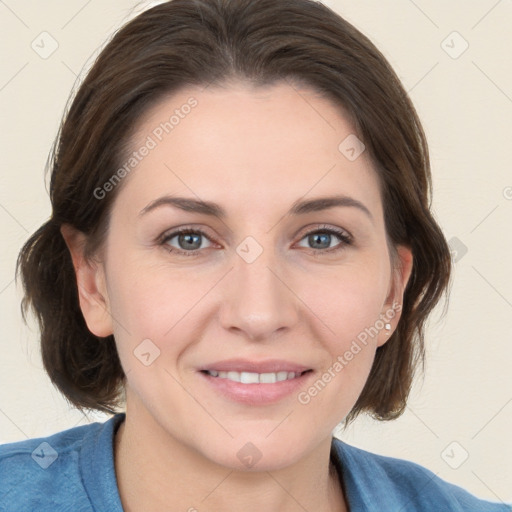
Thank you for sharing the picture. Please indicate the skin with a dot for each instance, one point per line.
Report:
(254, 152)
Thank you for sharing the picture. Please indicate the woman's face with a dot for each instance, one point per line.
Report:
(269, 283)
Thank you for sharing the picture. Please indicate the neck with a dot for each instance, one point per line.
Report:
(156, 472)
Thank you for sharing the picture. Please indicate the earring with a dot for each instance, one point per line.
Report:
(388, 329)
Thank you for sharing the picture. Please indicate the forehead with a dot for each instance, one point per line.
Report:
(247, 147)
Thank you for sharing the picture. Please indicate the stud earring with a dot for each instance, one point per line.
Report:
(388, 329)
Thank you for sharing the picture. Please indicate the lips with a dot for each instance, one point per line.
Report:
(256, 382)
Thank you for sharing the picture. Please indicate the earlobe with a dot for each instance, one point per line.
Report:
(90, 279)
(401, 274)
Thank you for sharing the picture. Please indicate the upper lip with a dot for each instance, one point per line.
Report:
(268, 366)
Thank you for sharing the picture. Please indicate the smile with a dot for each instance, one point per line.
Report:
(255, 378)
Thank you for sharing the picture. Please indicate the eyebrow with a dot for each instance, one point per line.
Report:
(299, 207)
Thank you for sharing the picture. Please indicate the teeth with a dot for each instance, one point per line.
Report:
(233, 376)
(254, 378)
(246, 377)
(268, 378)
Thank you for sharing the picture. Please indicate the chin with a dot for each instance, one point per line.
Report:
(256, 453)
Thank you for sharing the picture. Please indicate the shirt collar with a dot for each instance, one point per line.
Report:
(372, 482)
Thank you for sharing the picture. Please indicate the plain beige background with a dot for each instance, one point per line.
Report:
(455, 59)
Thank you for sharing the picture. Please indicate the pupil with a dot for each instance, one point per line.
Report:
(188, 240)
(317, 237)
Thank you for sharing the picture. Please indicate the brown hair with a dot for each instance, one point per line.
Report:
(199, 42)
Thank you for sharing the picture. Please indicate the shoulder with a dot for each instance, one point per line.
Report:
(389, 482)
(46, 473)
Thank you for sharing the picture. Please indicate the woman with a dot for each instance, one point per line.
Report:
(240, 254)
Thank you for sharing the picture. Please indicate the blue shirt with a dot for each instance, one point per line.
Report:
(74, 471)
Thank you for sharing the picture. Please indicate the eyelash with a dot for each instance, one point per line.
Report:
(345, 237)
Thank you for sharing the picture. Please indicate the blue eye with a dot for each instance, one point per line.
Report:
(320, 239)
(189, 240)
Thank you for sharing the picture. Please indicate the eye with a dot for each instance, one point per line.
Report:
(321, 238)
(188, 240)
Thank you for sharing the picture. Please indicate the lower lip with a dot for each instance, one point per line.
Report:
(257, 394)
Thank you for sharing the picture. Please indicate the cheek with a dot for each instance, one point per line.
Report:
(153, 328)
(348, 302)
(348, 308)
(151, 300)
(154, 303)
(349, 339)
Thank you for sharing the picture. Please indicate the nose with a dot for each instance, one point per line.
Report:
(259, 301)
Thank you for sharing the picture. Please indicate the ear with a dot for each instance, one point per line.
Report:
(90, 278)
(400, 274)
